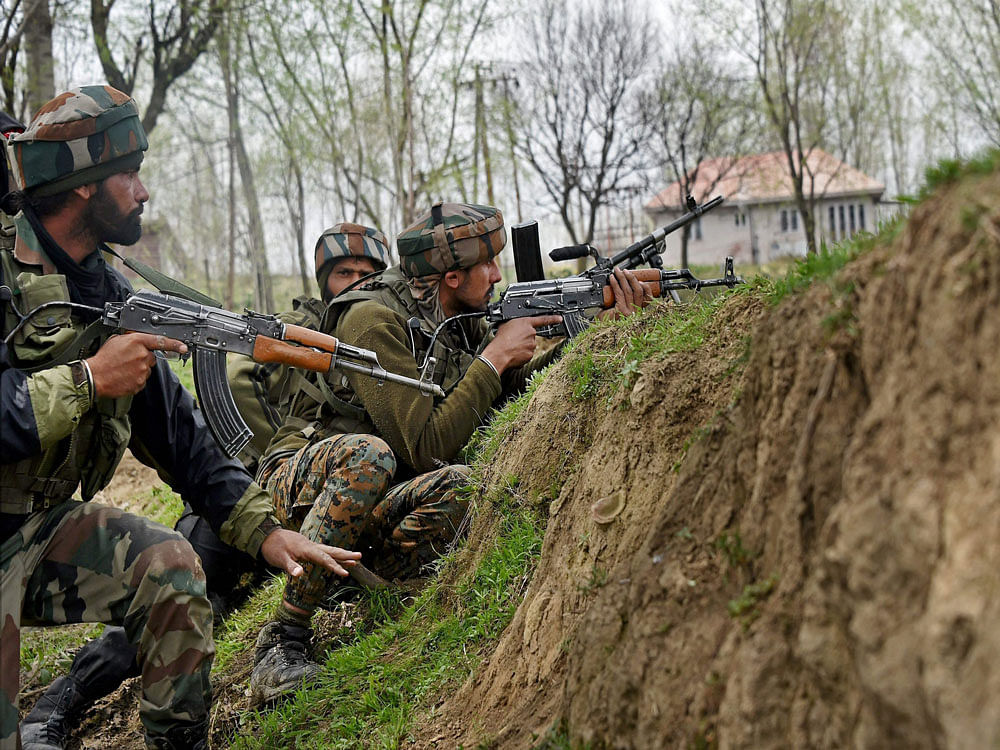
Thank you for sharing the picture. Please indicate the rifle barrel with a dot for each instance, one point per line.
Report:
(652, 239)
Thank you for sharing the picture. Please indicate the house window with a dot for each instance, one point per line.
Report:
(861, 216)
(843, 225)
(743, 219)
(850, 210)
(784, 220)
(697, 228)
(736, 216)
(795, 220)
(833, 222)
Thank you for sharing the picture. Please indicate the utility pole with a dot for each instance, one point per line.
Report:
(511, 140)
(481, 127)
(481, 138)
(484, 74)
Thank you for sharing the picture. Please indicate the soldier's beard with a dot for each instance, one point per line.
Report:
(108, 222)
(466, 304)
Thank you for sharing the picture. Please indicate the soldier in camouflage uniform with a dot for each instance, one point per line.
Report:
(331, 466)
(345, 253)
(69, 410)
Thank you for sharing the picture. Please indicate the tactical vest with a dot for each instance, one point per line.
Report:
(89, 455)
(454, 350)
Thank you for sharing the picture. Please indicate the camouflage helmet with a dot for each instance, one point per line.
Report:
(81, 136)
(449, 237)
(347, 240)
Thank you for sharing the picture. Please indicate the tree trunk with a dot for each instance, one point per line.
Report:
(231, 276)
(40, 78)
(258, 252)
(298, 218)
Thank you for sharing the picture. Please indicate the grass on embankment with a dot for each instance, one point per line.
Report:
(373, 685)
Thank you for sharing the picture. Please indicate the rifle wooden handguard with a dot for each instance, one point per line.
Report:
(271, 350)
(650, 278)
(309, 337)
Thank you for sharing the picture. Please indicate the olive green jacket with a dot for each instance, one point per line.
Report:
(423, 431)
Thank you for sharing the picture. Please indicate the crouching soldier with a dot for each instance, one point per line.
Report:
(71, 405)
(370, 466)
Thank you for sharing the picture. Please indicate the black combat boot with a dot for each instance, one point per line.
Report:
(99, 667)
(48, 725)
(282, 665)
(181, 737)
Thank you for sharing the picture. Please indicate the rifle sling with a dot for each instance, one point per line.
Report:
(164, 283)
(322, 393)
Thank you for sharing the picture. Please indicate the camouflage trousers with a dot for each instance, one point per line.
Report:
(85, 562)
(337, 492)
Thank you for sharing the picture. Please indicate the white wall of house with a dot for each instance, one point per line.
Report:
(731, 228)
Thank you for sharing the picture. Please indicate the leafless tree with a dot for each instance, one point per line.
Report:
(293, 175)
(801, 55)
(230, 51)
(700, 109)
(26, 31)
(172, 39)
(965, 38)
(582, 128)
(40, 79)
(10, 44)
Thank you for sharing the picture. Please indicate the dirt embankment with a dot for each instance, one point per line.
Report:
(821, 571)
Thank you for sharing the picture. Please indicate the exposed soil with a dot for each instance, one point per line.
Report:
(821, 572)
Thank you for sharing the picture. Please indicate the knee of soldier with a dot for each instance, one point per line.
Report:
(454, 476)
(369, 454)
(172, 562)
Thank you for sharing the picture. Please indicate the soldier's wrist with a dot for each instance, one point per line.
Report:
(491, 365)
(82, 376)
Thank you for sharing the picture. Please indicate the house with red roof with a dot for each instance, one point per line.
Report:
(759, 220)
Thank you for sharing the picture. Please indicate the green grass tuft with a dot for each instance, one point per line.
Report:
(744, 607)
(948, 171)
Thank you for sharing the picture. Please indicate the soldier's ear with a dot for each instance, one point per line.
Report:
(86, 192)
(454, 279)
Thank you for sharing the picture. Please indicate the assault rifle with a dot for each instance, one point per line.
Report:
(577, 297)
(210, 333)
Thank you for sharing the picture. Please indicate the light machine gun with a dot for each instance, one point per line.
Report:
(210, 333)
(575, 298)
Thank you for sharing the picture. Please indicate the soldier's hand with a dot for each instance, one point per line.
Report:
(629, 294)
(287, 549)
(122, 365)
(514, 343)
